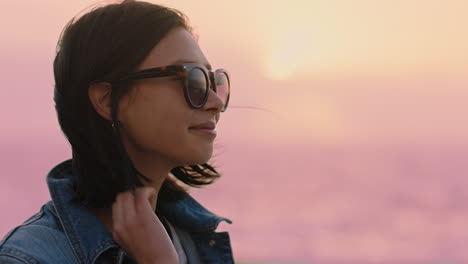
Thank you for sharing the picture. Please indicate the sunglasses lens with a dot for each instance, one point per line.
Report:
(222, 86)
(197, 86)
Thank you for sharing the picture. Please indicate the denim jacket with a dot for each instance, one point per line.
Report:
(67, 232)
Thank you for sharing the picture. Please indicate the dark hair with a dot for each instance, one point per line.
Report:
(105, 44)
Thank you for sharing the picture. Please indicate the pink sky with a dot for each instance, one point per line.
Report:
(363, 94)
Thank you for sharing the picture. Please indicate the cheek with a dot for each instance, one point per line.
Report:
(166, 133)
(158, 123)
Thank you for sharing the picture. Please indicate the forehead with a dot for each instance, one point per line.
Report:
(178, 45)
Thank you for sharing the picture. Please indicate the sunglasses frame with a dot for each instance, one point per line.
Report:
(181, 71)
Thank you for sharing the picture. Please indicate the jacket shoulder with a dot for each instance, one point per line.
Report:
(15, 256)
(39, 239)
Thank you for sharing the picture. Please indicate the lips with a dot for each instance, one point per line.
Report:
(206, 125)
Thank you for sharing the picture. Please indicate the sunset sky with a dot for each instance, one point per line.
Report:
(323, 69)
(329, 73)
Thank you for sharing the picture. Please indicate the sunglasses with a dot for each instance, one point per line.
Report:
(197, 80)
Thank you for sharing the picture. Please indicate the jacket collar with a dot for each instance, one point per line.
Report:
(88, 236)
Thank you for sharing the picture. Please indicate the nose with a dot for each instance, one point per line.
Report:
(214, 102)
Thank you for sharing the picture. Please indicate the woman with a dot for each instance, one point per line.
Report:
(138, 102)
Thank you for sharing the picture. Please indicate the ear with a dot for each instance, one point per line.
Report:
(99, 95)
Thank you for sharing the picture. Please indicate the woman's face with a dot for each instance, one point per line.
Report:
(155, 116)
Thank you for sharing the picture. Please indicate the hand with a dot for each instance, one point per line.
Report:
(138, 230)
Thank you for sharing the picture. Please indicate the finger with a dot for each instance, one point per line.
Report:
(116, 217)
(116, 212)
(145, 199)
(150, 197)
(153, 199)
(124, 208)
(128, 207)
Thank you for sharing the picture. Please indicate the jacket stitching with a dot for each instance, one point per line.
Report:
(31, 220)
(20, 255)
(15, 257)
(64, 223)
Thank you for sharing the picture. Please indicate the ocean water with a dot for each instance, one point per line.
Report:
(305, 204)
(345, 204)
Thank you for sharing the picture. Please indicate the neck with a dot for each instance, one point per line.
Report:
(152, 165)
(156, 170)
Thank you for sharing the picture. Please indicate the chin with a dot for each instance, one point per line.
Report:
(200, 159)
(189, 156)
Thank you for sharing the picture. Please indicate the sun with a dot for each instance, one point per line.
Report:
(281, 64)
(287, 54)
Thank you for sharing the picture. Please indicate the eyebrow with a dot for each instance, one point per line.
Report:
(208, 66)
